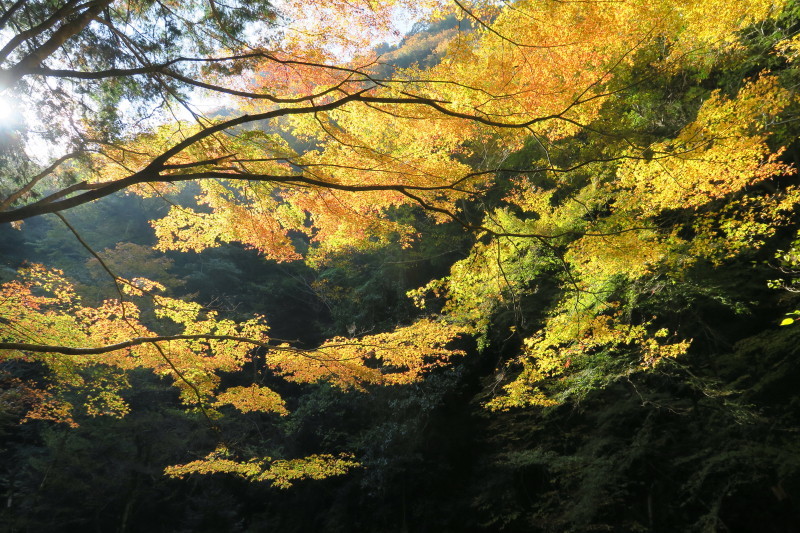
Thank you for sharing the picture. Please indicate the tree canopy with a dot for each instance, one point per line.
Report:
(592, 156)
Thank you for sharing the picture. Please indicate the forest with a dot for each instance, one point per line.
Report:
(399, 266)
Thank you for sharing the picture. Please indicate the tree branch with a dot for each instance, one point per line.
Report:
(34, 31)
(13, 197)
(10, 13)
(59, 37)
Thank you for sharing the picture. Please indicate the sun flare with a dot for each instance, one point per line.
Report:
(7, 111)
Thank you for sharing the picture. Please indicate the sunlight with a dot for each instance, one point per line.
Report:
(7, 112)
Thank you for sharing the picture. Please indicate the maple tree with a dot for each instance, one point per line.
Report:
(323, 149)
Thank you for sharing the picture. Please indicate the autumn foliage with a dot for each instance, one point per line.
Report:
(318, 153)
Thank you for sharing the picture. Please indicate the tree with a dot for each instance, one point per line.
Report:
(431, 136)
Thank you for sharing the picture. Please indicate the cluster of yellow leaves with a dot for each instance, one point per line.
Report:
(788, 48)
(411, 156)
(500, 269)
(260, 215)
(490, 277)
(397, 357)
(43, 309)
(629, 252)
(719, 155)
(253, 223)
(721, 152)
(571, 334)
(534, 60)
(29, 313)
(701, 30)
(744, 224)
(252, 398)
(281, 473)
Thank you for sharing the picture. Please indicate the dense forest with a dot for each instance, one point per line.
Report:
(400, 266)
